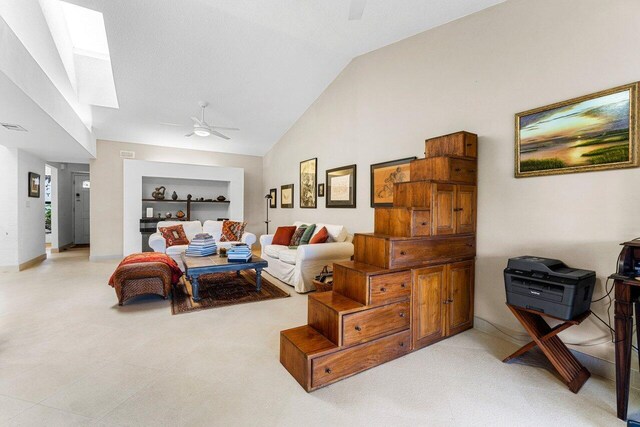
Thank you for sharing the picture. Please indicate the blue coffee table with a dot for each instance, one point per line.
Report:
(194, 267)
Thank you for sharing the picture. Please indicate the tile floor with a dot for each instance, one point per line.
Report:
(70, 356)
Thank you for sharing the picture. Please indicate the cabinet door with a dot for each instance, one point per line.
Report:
(428, 295)
(459, 296)
(444, 200)
(465, 209)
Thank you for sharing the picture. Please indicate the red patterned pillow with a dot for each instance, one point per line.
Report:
(174, 235)
(232, 231)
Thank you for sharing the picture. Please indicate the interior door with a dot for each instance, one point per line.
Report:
(428, 295)
(466, 209)
(81, 194)
(459, 296)
(444, 200)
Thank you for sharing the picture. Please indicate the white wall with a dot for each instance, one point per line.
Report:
(474, 74)
(136, 170)
(8, 208)
(31, 240)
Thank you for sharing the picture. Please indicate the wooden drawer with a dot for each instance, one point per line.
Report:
(412, 194)
(452, 169)
(369, 324)
(387, 288)
(407, 253)
(402, 222)
(336, 366)
(456, 144)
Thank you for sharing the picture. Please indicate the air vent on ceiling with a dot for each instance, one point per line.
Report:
(127, 154)
(9, 126)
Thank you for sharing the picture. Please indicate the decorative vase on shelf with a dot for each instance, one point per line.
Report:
(168, 215)
(159, 193)
(174, 196)
(180, 214)
(221, 198)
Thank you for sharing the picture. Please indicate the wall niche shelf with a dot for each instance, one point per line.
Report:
(184, 201)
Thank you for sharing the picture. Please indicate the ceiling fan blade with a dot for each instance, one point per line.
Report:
(356, 9)
(172, 124)
(197, 120)
(213, 132)
(189, 134)
(223, 128)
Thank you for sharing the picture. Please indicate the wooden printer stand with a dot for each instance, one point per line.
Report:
(572, 372)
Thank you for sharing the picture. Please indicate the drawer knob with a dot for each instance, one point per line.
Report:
(403, 253)
(358, 328)
(424, 223)
(472, 170)
(469, 244)
(457, 169)
(403, 285)
(383, 289)
(402, 344)
(402, 314)
(327, 371)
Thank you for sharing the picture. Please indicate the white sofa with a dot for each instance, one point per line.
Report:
(191, 228)
(298, 267)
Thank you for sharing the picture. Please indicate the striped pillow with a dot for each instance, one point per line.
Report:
(297, 236)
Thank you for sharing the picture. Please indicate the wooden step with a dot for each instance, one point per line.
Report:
(394, 252)
(412, 194)
(455, 144)
(403, 222)
(298, 346)
(325, 313)
(371, 285)
(451, 169)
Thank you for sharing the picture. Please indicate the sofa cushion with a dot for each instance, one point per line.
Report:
(320, 237)
(191, 228)
(213, 227)
(176, 250)
(288, 256)
(174, 235)
(232, 231)
(337, 233)
(274, 250)
(308, 233)
(283, 235)
(297, 236)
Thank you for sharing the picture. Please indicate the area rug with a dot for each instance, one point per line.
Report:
(221, 290)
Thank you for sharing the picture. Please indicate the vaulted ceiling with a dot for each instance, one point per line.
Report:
(259, 63)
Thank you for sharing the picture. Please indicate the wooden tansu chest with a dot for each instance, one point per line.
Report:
(411, 281)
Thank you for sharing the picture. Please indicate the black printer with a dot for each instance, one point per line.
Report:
(549, 286)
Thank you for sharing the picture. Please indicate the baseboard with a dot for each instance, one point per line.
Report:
(104, 257)
(32, 262)
(595, 365)
(61, 248)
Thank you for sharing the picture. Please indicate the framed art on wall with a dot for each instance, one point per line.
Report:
(34, 185)
(320, 190)
(383, 176)
(273, 202)
(286, 196)
(341, 187)
(308, 180)
(589, 133)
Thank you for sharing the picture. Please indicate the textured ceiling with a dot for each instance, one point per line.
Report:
(260, 63)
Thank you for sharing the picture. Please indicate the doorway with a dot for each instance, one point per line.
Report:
(81, 208)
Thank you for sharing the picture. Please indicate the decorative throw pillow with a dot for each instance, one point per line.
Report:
(283, 235)
(306, 237)
(174, 235)
(320, 237)
(295, 239)
(232, 231)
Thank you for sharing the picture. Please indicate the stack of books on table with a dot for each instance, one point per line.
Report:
(239, 253)
(203, 244)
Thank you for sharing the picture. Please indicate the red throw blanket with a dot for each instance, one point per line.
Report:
(176, 273)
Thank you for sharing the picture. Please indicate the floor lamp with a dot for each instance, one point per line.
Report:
(268, 198)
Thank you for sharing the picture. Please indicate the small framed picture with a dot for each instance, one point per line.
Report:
(321, 190)
(341, 187)
(273, 203)
(286, 196)
(34, 185)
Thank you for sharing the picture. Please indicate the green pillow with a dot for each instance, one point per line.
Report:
(306, 237)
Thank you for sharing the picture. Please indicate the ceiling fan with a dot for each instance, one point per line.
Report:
(201, 127)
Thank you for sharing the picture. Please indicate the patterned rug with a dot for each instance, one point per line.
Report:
(223, 289)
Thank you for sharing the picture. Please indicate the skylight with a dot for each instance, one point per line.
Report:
(81, 39)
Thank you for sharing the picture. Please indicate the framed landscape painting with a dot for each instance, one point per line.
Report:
(383, 176)
(341, 187)
(286, 196)
(593, 132)
(308, 180)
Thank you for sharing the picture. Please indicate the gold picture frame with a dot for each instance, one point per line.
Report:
(589, 133)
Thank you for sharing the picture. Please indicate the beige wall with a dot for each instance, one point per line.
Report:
(107, 191)
(474, 74)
